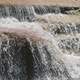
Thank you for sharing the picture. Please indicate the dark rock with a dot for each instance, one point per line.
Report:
(22, 59)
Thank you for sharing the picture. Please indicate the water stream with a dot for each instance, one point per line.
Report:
(36, 44)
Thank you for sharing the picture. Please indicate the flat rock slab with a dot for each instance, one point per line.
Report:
(42, 2)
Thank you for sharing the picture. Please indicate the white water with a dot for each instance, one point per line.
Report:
(34, 29)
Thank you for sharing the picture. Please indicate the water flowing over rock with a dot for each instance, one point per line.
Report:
(39, 43)
(23, 59)
(23, 13)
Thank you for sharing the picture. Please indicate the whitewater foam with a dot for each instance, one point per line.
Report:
(35, 29)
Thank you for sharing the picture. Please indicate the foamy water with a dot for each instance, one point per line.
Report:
(34, 29)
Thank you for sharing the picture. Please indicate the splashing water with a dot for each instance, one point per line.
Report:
(48, 50)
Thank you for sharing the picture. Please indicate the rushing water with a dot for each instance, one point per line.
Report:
(23, 13)
(33, 46)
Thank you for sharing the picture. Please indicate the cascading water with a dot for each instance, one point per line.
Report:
(23, 13)
(33, 46)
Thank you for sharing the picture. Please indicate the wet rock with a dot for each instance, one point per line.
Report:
(24, 59)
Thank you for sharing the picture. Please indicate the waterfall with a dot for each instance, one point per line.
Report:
(39, 43)
(19, 12)
(23, 13)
